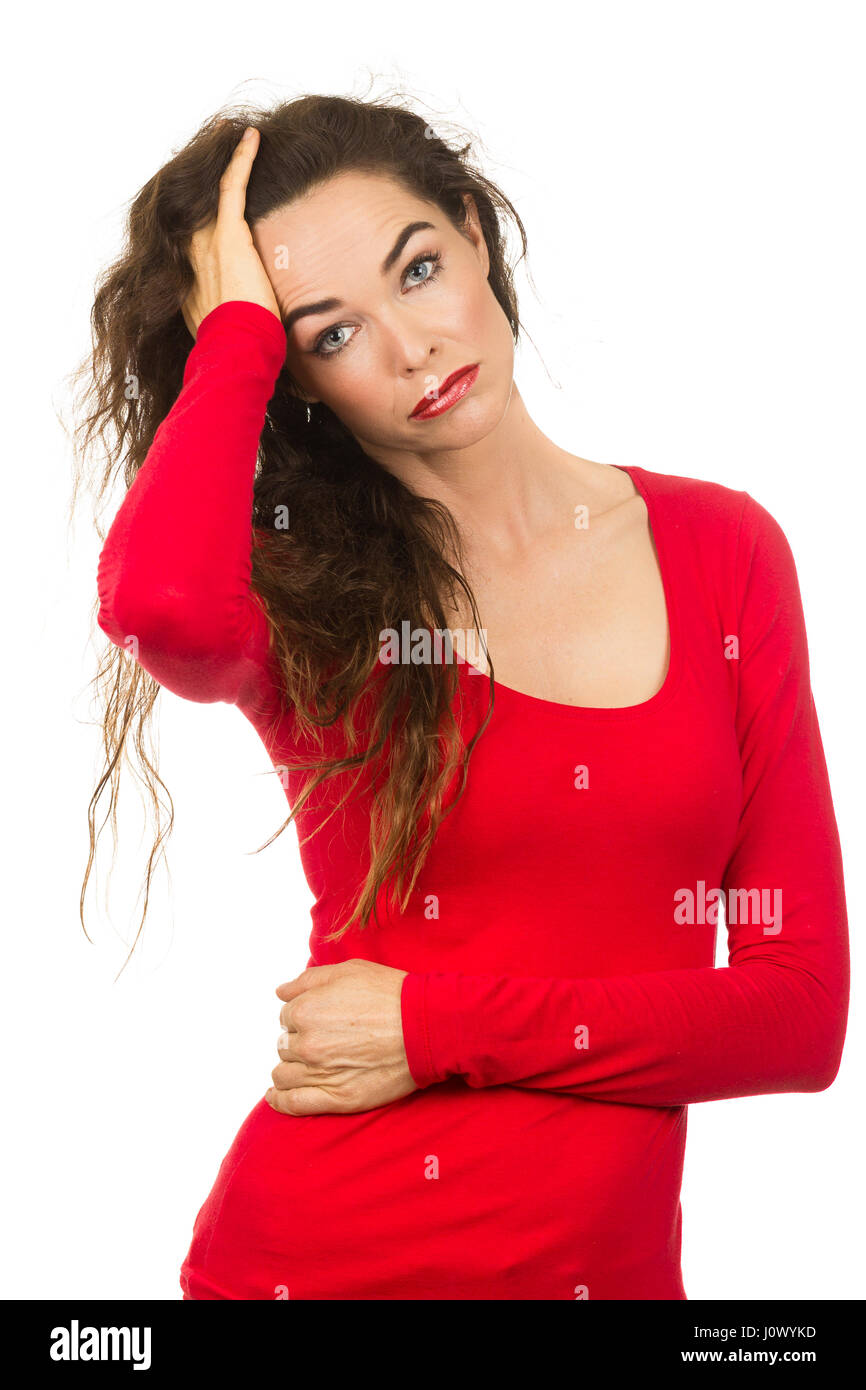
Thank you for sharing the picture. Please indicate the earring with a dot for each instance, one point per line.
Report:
(308, 414)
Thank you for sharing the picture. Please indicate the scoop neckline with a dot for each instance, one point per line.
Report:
(663, 694)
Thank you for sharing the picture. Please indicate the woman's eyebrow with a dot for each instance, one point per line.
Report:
(324, 306)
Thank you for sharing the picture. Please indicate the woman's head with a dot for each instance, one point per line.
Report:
(401, 300)
(334, 186)
(334, 182)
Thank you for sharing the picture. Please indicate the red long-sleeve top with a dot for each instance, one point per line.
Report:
(562, 1007)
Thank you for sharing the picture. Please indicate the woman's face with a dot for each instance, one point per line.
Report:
(401, 330)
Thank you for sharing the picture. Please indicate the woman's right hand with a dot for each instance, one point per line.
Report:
(223, 253)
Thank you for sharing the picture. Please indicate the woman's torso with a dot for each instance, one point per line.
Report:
(578, 825)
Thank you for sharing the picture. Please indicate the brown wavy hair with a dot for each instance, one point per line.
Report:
(363, 551)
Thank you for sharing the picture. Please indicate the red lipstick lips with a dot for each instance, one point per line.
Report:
(452, 390)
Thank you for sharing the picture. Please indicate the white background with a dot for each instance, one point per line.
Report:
(691, 181)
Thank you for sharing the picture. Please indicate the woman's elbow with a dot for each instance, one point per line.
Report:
(825, 1055)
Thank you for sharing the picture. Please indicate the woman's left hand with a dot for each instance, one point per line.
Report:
(342, 1050)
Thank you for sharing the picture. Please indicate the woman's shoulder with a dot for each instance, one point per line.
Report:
(727, 528)
(713, 508)
(710, 503)
(705, 493)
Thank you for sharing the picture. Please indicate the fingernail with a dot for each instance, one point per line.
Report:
(249, 132)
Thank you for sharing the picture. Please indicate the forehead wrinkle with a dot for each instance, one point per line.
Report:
(381, 239)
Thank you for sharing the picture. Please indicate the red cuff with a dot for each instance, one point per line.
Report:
(232, 321)
(416, 1040)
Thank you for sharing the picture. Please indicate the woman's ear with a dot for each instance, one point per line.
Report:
(473, 231)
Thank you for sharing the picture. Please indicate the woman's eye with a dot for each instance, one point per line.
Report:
(419, 265)
(326, 337)
(431, 258)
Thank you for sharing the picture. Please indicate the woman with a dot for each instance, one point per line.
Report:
(511, 999)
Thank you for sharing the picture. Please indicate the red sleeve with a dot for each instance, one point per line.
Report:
(174, 571)
(775, 1018)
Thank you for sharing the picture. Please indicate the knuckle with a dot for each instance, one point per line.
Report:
(300, 1014)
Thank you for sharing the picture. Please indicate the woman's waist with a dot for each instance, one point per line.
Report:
(449, 1192)
(618, 1165)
